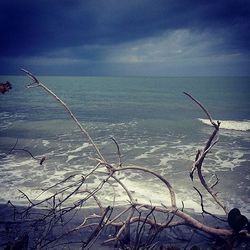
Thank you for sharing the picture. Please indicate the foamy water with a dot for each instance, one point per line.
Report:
(66, 155)
(231, 125)
(155, 126)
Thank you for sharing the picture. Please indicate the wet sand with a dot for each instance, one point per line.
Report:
(13, 229)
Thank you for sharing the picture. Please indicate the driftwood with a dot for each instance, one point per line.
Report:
(131, 223)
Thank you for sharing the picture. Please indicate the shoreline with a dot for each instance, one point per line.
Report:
(178, 237)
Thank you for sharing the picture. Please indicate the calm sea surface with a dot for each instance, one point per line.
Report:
(155, 125)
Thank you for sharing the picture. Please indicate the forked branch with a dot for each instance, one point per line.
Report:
(128, 217)
(200, 156)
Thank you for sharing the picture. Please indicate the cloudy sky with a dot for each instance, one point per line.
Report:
(125, 37)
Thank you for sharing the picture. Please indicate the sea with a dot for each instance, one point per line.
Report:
(155, 125)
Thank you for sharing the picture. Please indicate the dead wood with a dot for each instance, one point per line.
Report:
(134, 219)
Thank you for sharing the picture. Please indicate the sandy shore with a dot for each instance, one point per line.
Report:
(15, 225)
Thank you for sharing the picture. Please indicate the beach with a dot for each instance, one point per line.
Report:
(154, 124)
(13, 229)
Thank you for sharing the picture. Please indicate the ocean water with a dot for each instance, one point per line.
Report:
(155, 124)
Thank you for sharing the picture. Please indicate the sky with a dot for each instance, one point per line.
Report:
(125, 38)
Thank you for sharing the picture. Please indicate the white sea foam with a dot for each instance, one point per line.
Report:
(25, 174)
(149, 153)
(164, 161)
(71, 157)
(45, 143)
(79, 149)
(232, 125)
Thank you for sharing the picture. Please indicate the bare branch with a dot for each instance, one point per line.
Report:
(10, 150)
(96, 232)
(170, 189)
(85, 133)
(71, 194)
(118, 151)
(202, 107)
(202, 206)
(200, 156)
(26, 196)
(216, 182)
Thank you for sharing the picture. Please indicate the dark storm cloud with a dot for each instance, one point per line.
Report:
(31, 27)
(89, 29)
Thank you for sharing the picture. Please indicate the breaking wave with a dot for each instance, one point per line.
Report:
(232, 125)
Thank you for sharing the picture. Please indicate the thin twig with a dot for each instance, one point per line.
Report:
(40, 84)
(26, 196)
(216, 182)
(202, 107)
(13, 147)
(118, 151)
(58, 210)
(96, 232)
(202, 206)
(170, 189)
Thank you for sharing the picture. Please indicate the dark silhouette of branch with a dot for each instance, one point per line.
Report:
(203, 209)
(118, 151)
(10, 151)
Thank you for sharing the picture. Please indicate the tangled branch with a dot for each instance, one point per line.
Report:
(130, 222)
